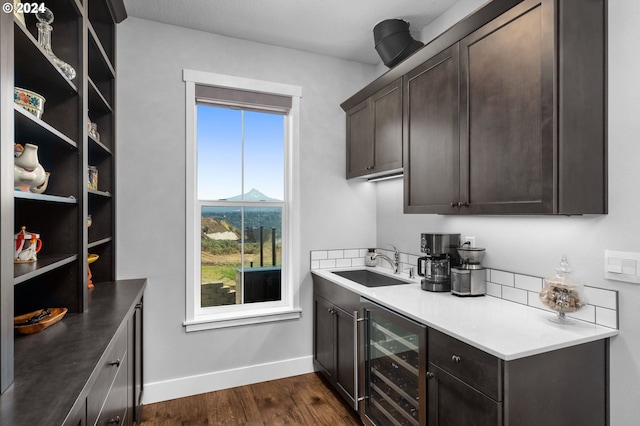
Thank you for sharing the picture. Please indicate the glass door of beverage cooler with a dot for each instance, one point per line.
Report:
(393, 369)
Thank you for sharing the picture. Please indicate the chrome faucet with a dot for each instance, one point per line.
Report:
(395, 262)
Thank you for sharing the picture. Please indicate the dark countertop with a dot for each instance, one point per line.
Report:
(53, 367)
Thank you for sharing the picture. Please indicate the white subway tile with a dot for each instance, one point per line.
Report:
(343, 263)
(318, 254)
(587, 313)
(494, 290)
(534, 300)
(601, 297)
(606, 317)
(327, 263)
(335, 254)
(514, 294)
(357, 261)
(315, 264)
(363, 252)
(502, 277)
(527, 282)
(352, 253)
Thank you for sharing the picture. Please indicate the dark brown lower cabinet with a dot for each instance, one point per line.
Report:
(453, 402)
(467, 386)
(85, 370)
(334, 336)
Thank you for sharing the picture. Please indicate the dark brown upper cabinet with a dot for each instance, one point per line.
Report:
(374, 133)
(505, 113)
(530, 105)
(431, 123)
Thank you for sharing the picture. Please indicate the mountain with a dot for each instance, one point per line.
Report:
(253, 195)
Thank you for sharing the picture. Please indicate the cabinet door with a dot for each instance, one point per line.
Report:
(387, 128)
(431, 139)
(345, 354)
(323, 336)
(452, 402)
(360, 154)
(507, 113)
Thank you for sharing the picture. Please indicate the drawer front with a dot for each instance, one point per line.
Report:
(107, 373)
(114, 412)
(339, 296)
(473, 366)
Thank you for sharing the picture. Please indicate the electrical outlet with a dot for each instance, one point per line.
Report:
(472, 241)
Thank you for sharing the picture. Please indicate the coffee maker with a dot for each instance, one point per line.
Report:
(469, 277)
(441, 255)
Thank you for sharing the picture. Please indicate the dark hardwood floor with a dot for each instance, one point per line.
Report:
(298, 400)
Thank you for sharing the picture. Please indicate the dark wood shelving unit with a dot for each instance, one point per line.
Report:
(84, 36)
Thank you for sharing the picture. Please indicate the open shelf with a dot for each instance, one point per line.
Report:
(83, 36)
(26, 271)
(45, 197)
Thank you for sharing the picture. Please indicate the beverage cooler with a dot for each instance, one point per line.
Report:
(392, 368)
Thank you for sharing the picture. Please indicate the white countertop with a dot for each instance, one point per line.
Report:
(502, 328)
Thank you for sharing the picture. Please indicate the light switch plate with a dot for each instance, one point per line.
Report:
(621, 266)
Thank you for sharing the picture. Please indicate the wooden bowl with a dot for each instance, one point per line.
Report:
(21, 325)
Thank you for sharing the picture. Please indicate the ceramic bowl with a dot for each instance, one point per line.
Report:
(31, 101)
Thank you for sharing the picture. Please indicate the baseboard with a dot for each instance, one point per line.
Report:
(193, 385)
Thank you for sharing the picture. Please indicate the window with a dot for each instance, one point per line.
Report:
(242, 252)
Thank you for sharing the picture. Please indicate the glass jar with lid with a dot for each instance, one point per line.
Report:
(563, 294)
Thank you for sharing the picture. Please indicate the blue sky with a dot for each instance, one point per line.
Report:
(220, 153)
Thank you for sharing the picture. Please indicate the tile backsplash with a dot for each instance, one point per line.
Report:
(601, 308)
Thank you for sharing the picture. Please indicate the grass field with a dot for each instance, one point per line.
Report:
(221, 267)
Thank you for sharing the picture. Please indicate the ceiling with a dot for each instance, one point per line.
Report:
(338, 28)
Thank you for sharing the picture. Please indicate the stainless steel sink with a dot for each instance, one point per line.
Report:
(369, 278)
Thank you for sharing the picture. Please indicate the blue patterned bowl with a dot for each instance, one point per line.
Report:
(31, 101)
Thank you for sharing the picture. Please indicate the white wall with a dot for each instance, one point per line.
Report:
(534, 245)
(151, 197)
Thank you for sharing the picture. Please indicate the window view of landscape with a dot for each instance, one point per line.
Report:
(241, 240)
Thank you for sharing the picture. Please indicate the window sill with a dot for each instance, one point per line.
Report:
(215, 321)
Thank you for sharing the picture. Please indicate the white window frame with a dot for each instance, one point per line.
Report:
(197, 317)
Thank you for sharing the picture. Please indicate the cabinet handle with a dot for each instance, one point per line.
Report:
(331, 311)
(430, 375)
(115, 363)
(454, 204)
(355, 360)
(139, 306)
(463, 204)
(455, 358)
(115, 421)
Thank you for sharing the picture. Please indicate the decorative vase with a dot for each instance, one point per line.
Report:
(28, 173)
(45, 18)
(17, 10)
